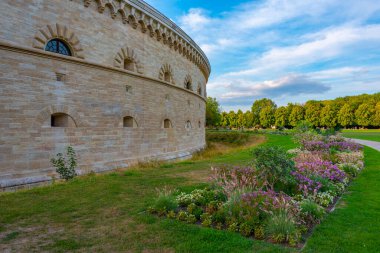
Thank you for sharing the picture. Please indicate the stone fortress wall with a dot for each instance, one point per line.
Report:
(133, 88)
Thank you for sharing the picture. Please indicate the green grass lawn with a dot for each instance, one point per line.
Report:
(106, 213)
(365, 134)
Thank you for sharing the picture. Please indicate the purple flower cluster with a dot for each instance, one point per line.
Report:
(325, 169)
(305, 184)
(326, 146)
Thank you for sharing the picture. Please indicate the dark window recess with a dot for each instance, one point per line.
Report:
(60, 77)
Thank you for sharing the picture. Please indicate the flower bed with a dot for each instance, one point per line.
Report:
(280, 198)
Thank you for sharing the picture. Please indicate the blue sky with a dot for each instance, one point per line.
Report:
(289, 51)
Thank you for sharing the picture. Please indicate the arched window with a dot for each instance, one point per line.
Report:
(167, 76)
(199, 90)
(129, 121)
(58, 46)
(188, 125)
(62, 120)
(199, 124)
(188, 85)
(129, 64)
(167, 123)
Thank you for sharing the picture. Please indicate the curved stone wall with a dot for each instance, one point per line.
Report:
(131, 71)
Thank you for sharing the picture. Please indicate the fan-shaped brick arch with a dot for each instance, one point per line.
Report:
(166, 74)
(45, 114)
(128, 54)
(58, 31)
(188, 83)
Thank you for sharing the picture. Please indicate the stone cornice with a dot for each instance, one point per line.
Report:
(45, 54)
(138, 13)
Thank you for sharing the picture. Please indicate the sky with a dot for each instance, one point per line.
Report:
(289, 51)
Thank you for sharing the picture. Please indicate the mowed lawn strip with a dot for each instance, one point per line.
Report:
(106, 213)
(355, 224)
(366, 134)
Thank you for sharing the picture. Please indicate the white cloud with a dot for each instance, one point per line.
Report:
(195, 20)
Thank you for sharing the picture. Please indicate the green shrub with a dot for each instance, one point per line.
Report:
(311, 210)
(246, 229)
(171, 214)
(274, 165)
(191, 219)
(182, 216)
(228, 137)
(259, 232)
(280, 227)
(65, 166)
(165, 201)
(351, 169)
(233, 227)
(195, 210)
(219, 216)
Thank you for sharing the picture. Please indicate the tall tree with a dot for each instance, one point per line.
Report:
(258, 105)
(267, 117)
(346, 115)
(312, 112)
(329, 115)
(212, 112)
(296, 115)
(248, 115)
(281, 117)
(232, 119)
(240, 120)
(224, 120)
(376, 118)
(365, 114)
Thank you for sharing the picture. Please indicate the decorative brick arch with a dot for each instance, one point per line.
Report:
(58, 31)
(128, 54)
(166, 74)
(188, 83)
(169, 117)
(46, 113)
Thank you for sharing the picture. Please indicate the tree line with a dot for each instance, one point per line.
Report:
(347, 112)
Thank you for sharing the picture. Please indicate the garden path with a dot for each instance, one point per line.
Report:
(372, 144)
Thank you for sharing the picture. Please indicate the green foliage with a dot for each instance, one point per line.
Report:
(182, 216)
(228, 137)
(329, 115)
(296, 115)
(280, 227)
(213, 116)
(267, 117)
(274, 164)
(165, 201)
(346, 115)
(311, 210)
(313, 112)
(259, 232)
(246, 229)
(281, 117)
(365, 114)
(191, 219)
(65, 166)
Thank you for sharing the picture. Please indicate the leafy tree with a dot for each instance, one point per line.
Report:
(312, 112)
(376, 118)
(248, 115)
(65, 166)
(267, 116)
(258, 105)
(224, 120)
(240, 120)
(281, 117)
(346, 115)
(296, 115)
(213, 116)
(329, 115)
(232, 119)
(365, 114)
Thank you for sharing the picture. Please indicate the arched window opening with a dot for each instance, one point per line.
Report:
(167, 123)
(188, 85)
(62, 120)
(129, 121)
(199, 124)
(58, 46)
(199, 90)
(167, 76)
(188, 125)
(129, 65)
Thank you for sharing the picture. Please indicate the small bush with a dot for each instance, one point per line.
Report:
(165, 201)
(228, 137)
(65, 166)
(280, 227)
(274, 165)
(191, 219)
(246, 229)
(182, 216)
(311, 211)
(259, 232)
